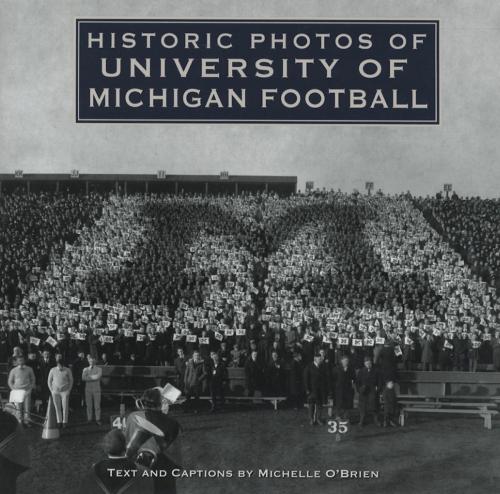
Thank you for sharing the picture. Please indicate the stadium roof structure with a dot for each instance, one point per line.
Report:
(142, 177)
(158, 182)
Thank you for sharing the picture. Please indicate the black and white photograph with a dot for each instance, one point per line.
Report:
(249, 247)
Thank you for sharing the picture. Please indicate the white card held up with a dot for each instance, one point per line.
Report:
(170, 393)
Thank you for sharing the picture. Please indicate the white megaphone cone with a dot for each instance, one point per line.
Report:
(50, 429)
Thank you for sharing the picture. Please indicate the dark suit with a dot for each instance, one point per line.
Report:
(78, 386)
(180, 370)
(276, 379)
(217, 378)
(253, 376)
(326, 369)
(368, 383)
(296, 383)
(387, 363)
(344, 380)
(44, 370)
(314, 383)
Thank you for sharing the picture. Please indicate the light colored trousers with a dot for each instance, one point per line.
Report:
(93, 397)
(23, 409)
(61, 404)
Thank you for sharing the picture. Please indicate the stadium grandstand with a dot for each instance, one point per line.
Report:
(242, 292)
(132, 277)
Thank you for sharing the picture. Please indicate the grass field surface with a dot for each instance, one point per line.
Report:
(429, 455)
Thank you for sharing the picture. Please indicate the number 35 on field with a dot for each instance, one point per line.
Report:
(338, 426)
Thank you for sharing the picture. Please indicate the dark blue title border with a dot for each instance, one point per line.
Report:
(435, 22)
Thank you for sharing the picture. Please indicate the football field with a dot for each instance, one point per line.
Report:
(430, 455)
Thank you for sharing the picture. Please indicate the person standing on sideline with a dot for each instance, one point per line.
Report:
(45, 365)
(60, 382)
(314, 385)
(77, 368)
(22, 378)
(194, 378)
(296, 382)
(180, 368)
(390, 404)
(344, 378)
(368, 384)
(91, 376)
(253, 374)
(217, 378)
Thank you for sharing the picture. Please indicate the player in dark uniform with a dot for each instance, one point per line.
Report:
(153, 439)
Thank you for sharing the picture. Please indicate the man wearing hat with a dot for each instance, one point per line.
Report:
(104, 478)
(368, 383)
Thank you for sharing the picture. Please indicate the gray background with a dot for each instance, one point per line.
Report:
(38, 132)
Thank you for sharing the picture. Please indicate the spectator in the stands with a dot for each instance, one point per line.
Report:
(140, 276)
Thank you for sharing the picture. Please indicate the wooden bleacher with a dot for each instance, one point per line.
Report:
(483, 385)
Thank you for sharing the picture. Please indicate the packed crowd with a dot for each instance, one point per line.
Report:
(31, 228)
(136, 279)
(470, 225)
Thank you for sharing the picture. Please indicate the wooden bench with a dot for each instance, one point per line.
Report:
(469, 398)
(444, 404)
(122, 393)
(483, 411)
(417, 397)
(131, 393)
(446, 399)
(273, 399)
